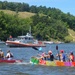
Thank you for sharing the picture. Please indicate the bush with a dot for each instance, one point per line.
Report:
(68, 39)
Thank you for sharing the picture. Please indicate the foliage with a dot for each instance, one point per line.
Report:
(68, 39)
(12, 25)
(47, 28)
(48, 23)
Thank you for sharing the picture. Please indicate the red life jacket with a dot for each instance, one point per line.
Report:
(72, 58)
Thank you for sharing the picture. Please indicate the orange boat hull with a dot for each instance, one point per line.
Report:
(18, 44)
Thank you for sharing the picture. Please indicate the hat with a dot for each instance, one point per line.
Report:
(71, 52)
(50, 51)
(61, 51)
(43, 53)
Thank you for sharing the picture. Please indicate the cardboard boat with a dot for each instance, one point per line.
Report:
(10, 61)
(37, 61)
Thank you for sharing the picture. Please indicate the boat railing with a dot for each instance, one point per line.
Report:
(35, 41)
(11, 39)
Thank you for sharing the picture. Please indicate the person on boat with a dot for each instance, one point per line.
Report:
(9, 55)
(42, 56)
(50, 56)
(10, 37)
(71, 57)
(1, 54)
(62, 56)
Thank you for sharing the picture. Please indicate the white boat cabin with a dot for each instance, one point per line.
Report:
(26, 39)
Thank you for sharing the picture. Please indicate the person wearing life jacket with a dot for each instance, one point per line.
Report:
(42, 56)
(1, 54)
(50, 55)
(9, 55)
(71, 57)
(62, 56)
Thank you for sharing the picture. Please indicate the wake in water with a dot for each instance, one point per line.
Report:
(23, 63)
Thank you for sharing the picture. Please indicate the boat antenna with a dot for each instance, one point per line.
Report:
(30, 30)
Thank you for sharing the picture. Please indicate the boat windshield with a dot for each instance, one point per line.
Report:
(27, 37)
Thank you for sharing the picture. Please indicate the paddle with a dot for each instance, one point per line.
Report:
(38, 49)
(57, 51)
(35, 48)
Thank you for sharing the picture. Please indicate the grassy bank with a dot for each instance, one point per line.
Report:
(20, 14)
(72, 34)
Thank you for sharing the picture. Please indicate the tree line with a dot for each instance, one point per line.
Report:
(48, 23)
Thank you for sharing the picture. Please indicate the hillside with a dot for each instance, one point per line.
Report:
(28, 14)
(72, 34)
(20, 14)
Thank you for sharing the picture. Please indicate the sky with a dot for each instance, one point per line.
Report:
(64, 5)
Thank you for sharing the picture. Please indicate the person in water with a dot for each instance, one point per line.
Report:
(50, 56)
(1, 54)
(62, 56)
(9, 55)
(71, 57)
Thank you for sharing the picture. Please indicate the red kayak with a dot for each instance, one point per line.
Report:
(10, 61)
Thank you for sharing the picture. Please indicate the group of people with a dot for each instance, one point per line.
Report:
(62, 56)
(8, 56)
(44, 56)
(48, 56)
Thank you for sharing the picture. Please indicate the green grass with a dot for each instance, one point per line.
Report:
(72, 34)
(20, 14)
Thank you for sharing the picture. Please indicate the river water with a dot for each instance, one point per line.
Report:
(25, 68)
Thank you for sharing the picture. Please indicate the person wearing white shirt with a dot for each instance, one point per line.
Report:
(9, 55)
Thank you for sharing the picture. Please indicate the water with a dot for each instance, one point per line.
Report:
(25, 68)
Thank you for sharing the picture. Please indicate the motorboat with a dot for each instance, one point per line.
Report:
(48, 42)
(24, 41)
